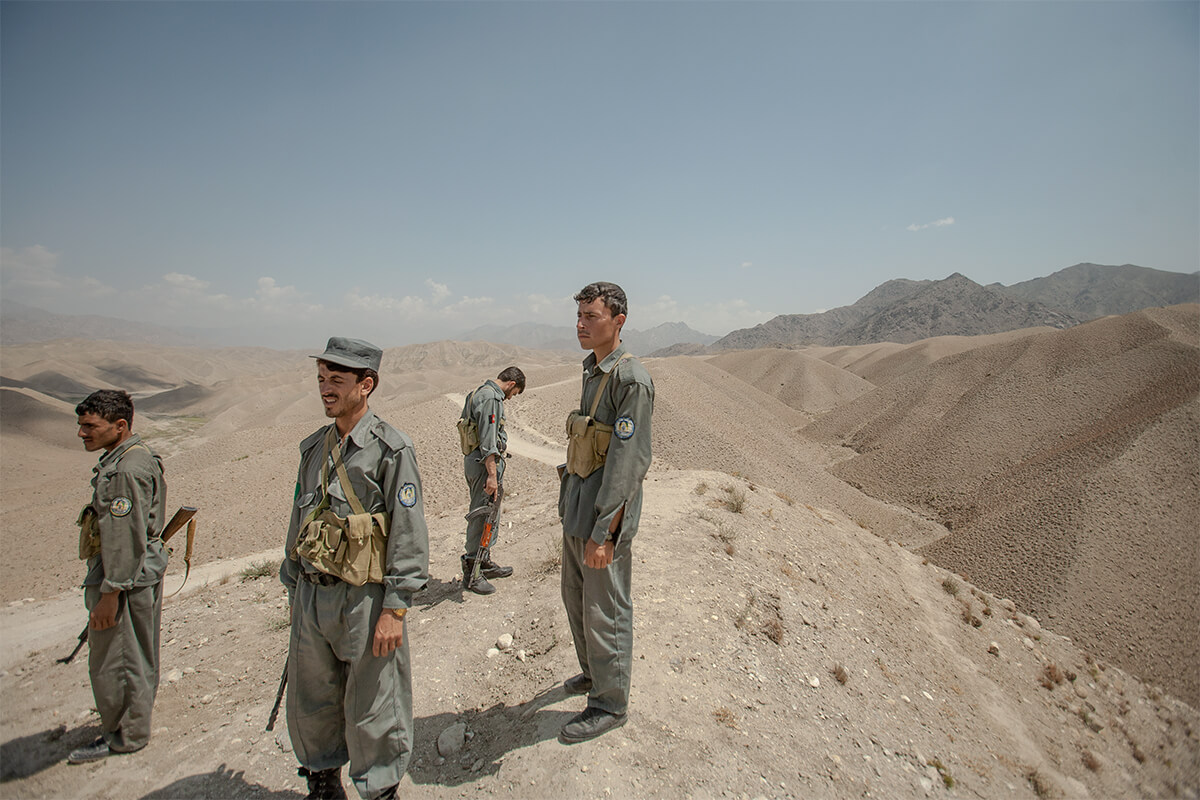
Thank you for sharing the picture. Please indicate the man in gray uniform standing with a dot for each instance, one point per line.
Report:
(600, 502)
(482, 425)
(119, 538)
(357, 550)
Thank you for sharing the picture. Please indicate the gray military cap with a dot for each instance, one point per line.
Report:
(353, 353)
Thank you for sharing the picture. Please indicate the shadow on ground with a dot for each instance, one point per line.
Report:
(438, 591)
(29, 755)
(498, 730)
(220, 784)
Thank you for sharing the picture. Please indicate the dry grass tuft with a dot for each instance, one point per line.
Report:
(840, 673)
(260, 569)
(1042, 786)
(701, 488)
(951, 586)
(785, 498)
(736, 501)
(1052, 676)
(1091, 761)
(724, 716)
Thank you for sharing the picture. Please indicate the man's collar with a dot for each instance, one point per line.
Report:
(358, 434)
(609, 360)
(112, 455)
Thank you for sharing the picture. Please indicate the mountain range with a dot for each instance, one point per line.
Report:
(905, 311)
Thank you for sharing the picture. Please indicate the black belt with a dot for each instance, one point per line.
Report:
(319, 578)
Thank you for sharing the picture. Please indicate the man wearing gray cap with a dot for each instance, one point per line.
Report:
(357, 550)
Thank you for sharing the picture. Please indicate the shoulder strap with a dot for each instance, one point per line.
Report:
(335, 451)
(604, 383)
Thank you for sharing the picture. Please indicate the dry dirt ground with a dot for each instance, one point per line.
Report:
(786, 645)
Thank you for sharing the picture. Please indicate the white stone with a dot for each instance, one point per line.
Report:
(505, 641)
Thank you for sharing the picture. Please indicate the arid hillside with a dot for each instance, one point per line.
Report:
(785, 640)
(1066, 467)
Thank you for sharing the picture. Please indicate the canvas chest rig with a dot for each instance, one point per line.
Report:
(588, 439)
(468, 431)
(89, 524)
(350, 548)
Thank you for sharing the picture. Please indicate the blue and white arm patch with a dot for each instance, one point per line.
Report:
(407, 495)
(624, 427)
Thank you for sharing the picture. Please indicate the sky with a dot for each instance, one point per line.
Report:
(273, 173)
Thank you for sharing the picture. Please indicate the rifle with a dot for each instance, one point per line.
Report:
(278, 698)
(492, 510)
(182, 517)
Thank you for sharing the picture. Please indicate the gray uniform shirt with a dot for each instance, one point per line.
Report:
(485, 405)
(129, 496)
(588, 505)
(382, 466)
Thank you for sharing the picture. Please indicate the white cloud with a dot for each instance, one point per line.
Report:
(33, 268)
(937, 223)
(747, 264)
(440, 290)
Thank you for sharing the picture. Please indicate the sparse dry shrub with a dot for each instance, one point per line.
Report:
(987, 611)
(773, 628)
(1052, 676)
(840, 673)
(1042, 786)
(701, 488)
(785, 498)
(1091, 761)
(1138, 755)
(951, 586)
(724, 716)
(260, 569)
(736, 501)
(730, 549)
(552, 560)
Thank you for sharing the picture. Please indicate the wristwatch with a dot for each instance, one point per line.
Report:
(398, 612)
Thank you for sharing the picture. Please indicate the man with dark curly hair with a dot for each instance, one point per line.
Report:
(119, 537)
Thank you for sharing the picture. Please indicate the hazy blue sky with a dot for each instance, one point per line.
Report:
(408, 171)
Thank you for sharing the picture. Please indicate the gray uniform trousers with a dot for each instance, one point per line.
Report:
(344, 703)
(599, 605)
(123, 666)
(476, 474)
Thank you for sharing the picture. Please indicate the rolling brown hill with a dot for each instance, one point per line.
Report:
(1066, 466)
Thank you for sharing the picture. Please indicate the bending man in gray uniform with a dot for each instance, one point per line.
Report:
(119, 538)
(600, 502)
(484, 442)
(357, 549)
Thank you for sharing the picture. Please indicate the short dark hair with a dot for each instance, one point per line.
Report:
(515, 375)
(612, 295)
(360, 373)
(108, 404)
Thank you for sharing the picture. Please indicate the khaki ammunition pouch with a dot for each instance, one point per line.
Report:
(351, 548)
(89, 533)
(468, 431)
(588, 439)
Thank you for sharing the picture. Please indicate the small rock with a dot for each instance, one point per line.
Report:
(521, 655)
(994, 648)
(505, 641)
(478, 765)
(904, 697)
(492, 652)
(282, 740)
(451, 739)
(814, 682)
(1030, 624)
(1080, 690)
(1028, 643)
(208, 698)
(174, 675)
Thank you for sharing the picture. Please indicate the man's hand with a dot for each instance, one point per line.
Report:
(597, 556)
(489, 488)
(104, 614)
(389, 633)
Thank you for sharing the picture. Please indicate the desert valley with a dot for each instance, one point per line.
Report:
(965, 566)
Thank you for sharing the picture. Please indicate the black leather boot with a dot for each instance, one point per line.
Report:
(490, 569)
(480, 585)
(324, 784)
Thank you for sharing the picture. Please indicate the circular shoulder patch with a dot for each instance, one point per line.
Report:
(407, 495)
(121, 506)
(624, 427)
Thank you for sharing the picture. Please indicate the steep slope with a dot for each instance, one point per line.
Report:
(956, 306)
(797, 379)
(1047, 456)
(1087, 291)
